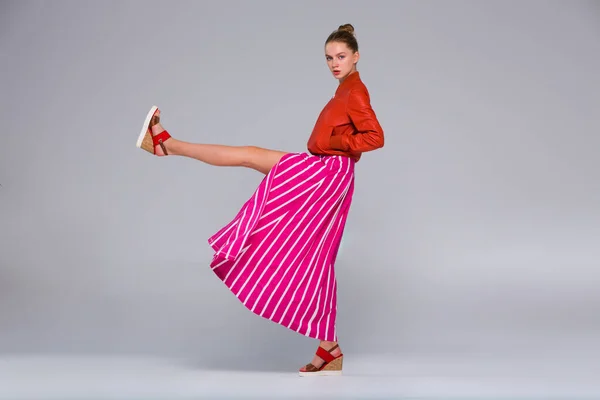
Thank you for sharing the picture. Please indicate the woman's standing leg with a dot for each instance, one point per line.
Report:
(253, 157)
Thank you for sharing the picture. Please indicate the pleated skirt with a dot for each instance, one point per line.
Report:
(277, 255)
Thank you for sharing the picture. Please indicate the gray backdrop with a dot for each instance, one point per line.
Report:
(475, 229)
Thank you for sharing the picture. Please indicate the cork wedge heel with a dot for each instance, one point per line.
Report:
(146, 141)
(332, 366)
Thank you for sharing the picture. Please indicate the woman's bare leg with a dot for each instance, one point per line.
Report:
(257, 158)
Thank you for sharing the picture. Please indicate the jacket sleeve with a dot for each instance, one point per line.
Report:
(369, 135)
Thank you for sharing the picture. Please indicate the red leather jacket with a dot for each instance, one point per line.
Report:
(347, 125)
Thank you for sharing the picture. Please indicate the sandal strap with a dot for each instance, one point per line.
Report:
(326, 354)
(164, 135)
(159, 139)
(310, 368)
(333, 348)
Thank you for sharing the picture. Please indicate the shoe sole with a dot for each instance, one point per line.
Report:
(145, 127)
(322, 373)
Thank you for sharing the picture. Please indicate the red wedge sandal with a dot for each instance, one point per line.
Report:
(332, 366)
(145, 139)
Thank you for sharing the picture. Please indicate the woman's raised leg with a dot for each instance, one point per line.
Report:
(257, 158)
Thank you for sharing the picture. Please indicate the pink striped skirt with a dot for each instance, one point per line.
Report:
(277, 255)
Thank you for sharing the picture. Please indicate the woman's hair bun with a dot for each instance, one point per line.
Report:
(346, 27)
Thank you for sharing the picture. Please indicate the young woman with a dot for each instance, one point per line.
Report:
(277, 255)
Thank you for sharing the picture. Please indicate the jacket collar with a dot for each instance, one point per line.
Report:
(353, 77)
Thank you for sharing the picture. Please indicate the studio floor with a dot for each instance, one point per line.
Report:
(116, 377)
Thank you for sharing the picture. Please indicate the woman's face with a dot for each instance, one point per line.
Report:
(340, 59)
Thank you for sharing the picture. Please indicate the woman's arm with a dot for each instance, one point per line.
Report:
(369, 135)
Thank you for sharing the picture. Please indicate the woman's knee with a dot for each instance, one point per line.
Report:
(250, 156)
(260, 159)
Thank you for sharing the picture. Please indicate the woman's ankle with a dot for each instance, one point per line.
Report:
(172, 146)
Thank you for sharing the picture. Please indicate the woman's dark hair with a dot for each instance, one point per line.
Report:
(344, 34)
